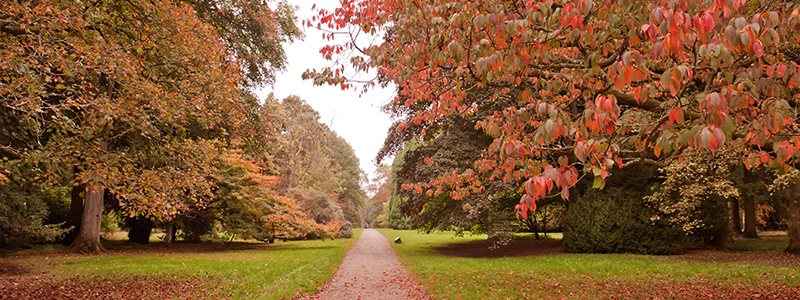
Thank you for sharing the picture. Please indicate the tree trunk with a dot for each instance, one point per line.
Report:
(544, 222)
(74, 218)
(750, 217)
(197, 226)
(140, 230)
(736, 217)
(793, 218)
(727, 239)
(272, 237)
(169, 232)
(88, 239)
(531, 224)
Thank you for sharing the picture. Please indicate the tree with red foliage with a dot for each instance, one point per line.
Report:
(597, 84)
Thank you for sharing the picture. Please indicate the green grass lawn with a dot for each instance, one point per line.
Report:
(463, 268)
(241, 271)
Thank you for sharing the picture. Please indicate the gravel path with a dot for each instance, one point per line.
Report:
(371, 271)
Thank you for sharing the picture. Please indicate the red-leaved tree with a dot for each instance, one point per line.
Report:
(597, 84)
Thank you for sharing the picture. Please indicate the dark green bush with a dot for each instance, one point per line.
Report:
(23, 213)
(616, 220)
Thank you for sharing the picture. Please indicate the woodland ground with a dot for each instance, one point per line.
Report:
(207, 270)
(464, 268)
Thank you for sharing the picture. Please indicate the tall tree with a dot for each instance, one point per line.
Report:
(110, 89)
(597, 84)
(380, 190)
(313, 160)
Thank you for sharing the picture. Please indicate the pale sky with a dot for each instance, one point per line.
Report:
(356, 118)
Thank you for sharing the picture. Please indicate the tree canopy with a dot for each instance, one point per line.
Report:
(595, 85)
(146, 107)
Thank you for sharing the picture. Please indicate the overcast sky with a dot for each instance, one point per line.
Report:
(358, 119)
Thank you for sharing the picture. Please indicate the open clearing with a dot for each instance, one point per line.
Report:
(464, 268)
(208, 270)
(448, 267)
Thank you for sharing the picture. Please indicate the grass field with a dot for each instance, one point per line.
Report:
(463, 268)
(239, 270)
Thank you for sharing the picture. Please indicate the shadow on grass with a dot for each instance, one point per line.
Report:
(181, 246)
(518, 247)
(12, 269)
(117, 247)
(126, 248)
(769, 249)
(772, 242)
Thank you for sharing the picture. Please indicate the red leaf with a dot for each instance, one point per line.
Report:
(529, 189)
(708, 21)
(401, 127)
(719, 136)
(676, 116)
(764, 157)
(758, 49)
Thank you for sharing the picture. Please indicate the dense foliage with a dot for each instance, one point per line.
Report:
(23, 214)
(316, 162)
(617, 219)
(582, 87)
(145, 108)
(695, 194)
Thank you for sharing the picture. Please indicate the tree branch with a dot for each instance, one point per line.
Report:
(628, 100)
(9, 152)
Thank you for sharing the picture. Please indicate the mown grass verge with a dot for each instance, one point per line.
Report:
(210, 270)
(464, 268)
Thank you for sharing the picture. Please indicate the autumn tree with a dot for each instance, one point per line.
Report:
(696, 194)
(315, 162)
(108, 96)
(254, 32)
(380, 189)
(597, 84)
(452, 148)
(246, 204)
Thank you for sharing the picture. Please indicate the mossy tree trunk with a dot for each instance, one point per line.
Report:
(728, 237)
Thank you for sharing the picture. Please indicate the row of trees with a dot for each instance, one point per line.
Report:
(145, 108)
(645, 207)
(557, 95)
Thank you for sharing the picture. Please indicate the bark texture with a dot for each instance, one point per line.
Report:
(169, 232)
(74, 217)
(88, 239)
(750, 217)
